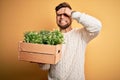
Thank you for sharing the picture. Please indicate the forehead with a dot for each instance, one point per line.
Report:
(61, 10)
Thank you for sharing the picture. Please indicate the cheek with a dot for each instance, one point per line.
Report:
(68, 20)
(57, 20)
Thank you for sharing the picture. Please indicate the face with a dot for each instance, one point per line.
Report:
(62, 19)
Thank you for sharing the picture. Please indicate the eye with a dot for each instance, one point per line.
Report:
(65, 15)
(58, 14)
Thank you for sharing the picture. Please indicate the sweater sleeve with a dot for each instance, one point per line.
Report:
(92, 26)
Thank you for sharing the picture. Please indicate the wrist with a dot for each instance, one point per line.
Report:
(75, 14)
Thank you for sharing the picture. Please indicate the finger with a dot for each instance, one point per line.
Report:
(68, 11)
(62, 10)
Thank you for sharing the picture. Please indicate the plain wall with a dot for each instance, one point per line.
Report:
(17, 16)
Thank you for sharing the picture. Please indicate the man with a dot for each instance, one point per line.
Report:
(71, 65)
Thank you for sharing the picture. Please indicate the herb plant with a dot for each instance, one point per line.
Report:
(44, 37)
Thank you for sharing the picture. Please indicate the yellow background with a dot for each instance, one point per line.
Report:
(18, 16)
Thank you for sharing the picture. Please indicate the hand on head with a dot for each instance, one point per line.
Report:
(65, 11)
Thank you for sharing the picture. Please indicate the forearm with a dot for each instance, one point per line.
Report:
(90, 23)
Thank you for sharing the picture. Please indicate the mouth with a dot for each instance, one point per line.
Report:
(63, 21)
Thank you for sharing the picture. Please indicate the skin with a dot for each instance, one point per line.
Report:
(63, 19)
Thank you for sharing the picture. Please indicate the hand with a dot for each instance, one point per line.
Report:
(41, 64)
(67, 11)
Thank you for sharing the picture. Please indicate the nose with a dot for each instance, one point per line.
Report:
(62, 16)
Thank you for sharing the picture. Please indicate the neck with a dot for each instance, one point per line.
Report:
(66, 30)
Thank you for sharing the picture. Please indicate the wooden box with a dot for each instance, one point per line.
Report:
(39, 53)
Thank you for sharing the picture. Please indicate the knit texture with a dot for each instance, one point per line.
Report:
(71, 65)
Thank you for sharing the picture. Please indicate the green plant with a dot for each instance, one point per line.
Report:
(44, 37)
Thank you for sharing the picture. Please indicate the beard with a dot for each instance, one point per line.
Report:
(65, 26)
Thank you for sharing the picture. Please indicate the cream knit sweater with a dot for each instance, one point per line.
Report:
(71, 65)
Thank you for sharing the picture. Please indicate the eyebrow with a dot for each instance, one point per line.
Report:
(63, 14)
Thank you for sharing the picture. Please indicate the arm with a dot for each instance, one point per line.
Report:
(90, 23)
(92, 26)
